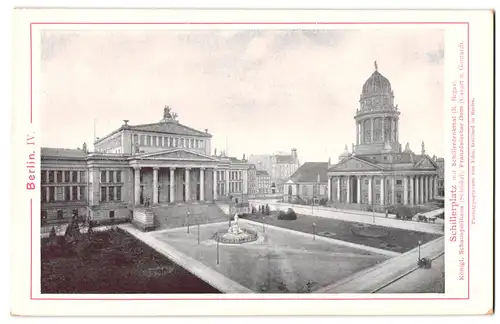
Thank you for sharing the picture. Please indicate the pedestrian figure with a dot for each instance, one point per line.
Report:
(386, 213)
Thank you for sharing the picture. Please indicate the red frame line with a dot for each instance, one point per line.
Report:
(256, 23)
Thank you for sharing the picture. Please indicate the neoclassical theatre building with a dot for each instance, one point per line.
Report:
(164, 163)
(377, 171)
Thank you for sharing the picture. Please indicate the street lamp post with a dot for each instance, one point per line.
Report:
(217, 249)
(419, 243)
(314, 231)
(198, 233)
(373, 213)
(188, 221)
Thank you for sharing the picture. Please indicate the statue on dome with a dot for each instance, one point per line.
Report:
(376, 66)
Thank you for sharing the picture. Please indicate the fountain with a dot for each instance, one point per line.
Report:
(235, 234)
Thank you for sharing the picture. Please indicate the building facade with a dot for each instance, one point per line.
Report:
(377, 171)
(263, 182)
(252, 180)
(163, 163)
(280, 166)
(309, 184)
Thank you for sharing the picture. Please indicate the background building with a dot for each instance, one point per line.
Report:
(308, 184)
(440, 170)
(377, 171)
(252, 180)
(279, 166)
(263, 182)
(165, 163)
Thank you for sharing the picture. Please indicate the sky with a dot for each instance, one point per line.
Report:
(261, 91)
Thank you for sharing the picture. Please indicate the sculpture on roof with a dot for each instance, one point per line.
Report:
(407, 147)
(84, 147)
(168, 114)
(376, 66)
(423, 148)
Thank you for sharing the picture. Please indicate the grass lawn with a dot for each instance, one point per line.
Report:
(278, 262)
(120, 264)
(397, 240)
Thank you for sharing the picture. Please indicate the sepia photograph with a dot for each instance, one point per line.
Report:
(250, 162)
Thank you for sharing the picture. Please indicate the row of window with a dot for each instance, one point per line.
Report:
(162, 141)
(111, 176)
(60, 215)
(63, 193)
(112, 193)
(55, 176)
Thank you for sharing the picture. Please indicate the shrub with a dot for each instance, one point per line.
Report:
(289, 214)
(401, 211)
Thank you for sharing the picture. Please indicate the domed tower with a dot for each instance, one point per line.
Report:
(377, 119)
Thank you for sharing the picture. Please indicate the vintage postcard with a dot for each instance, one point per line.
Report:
(252, 162)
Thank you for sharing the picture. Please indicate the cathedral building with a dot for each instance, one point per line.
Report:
(377, 171)
(162, 163)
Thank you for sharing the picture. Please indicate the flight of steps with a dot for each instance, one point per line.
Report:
(176, 215)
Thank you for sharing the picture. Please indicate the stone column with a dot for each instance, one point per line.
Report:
(348, 189)
(426, 189)
(412, 191)
(70, 193)
(172, 185)
(382, 191)
(436, 179)
(202, 184)
(187, 182)
(421, 193)
(329, 188)
(383, 129)
(371, 133)
(226, 191)
(370, 193)
(430, 188)
(405, 190)
(137, 185)
(393, 189)
(417, 190)
(338, 188)
(358, 187)
(357, 133)
(214, 184)
(155, 185)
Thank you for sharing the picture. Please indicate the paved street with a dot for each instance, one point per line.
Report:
(421, 280)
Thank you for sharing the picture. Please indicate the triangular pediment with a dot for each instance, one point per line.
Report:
(178, 154)
(170, 127)
(289, 182)
(426, 163)
(354, 164)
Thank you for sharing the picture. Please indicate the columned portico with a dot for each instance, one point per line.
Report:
(338, 188)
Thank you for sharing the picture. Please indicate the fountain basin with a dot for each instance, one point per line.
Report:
(244, 236)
